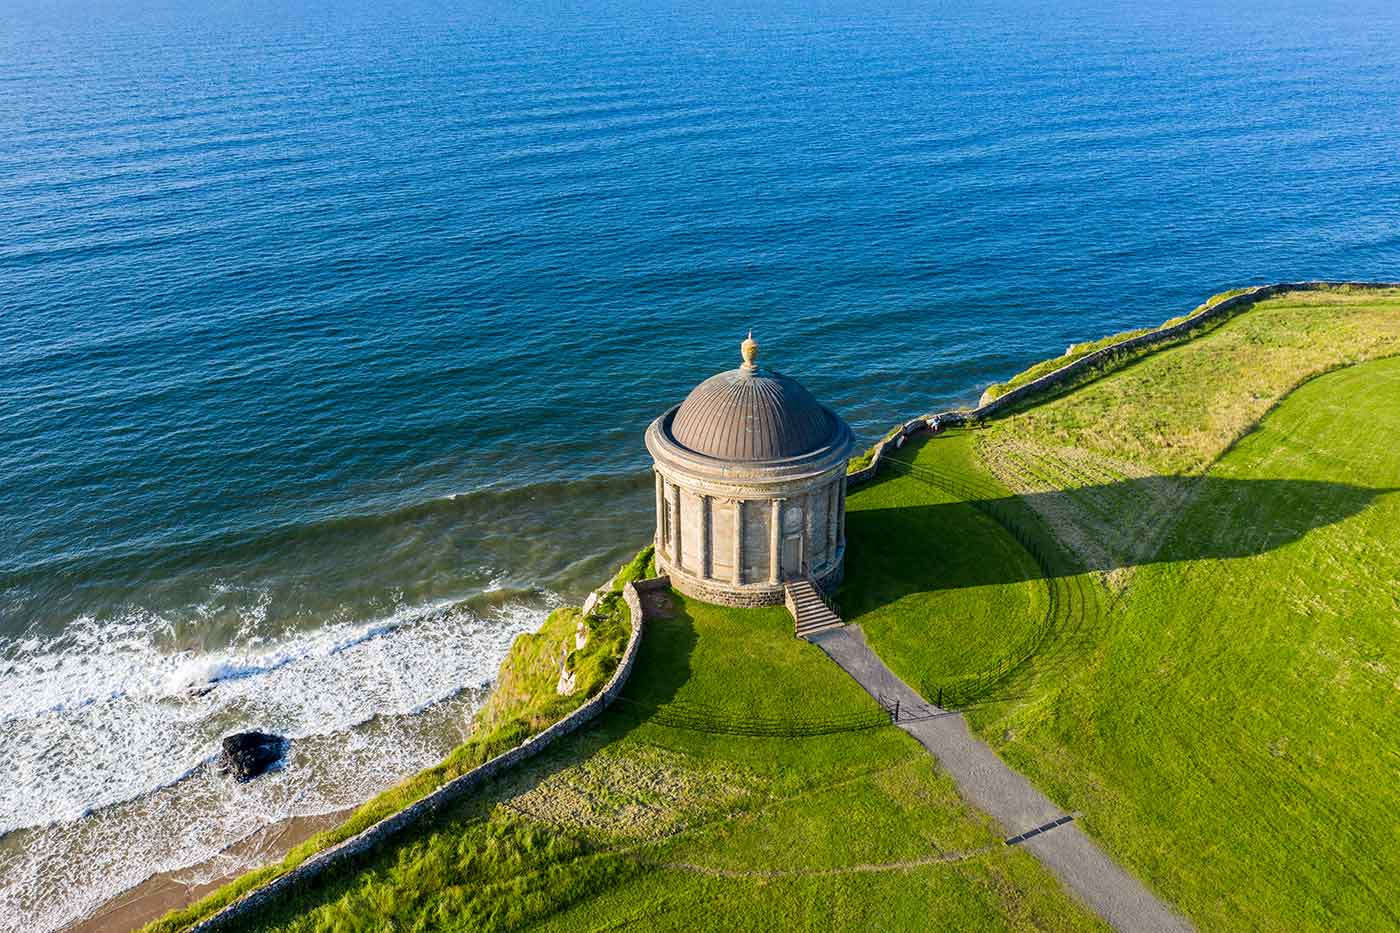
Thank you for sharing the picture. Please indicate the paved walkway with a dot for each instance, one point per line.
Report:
(1023, 812)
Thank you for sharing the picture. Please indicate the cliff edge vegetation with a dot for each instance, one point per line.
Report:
(1077, 351)
(524, 701)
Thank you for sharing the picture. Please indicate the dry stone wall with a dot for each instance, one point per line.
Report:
(1071, 372)
(234, 914)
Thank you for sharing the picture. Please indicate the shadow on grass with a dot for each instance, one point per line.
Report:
(663, 666)
(904, 550)
(1254, 517)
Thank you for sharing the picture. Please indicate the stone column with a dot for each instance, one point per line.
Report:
(738, 542)
(775, 541)
(706, 530)
(660, 514)
(809, 546)
(841, 512)
(831, 512)
(675, 526)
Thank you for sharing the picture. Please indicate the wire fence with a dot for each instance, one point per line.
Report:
(899, 711)
(697, 717)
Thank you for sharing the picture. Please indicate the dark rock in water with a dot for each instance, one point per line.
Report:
(248, 754)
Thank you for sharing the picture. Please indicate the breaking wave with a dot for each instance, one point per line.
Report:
(108, 735)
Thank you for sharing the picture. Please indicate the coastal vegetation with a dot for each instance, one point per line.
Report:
(863, 459)
(845, 822)
(1176, 411)
(1074, 352)
(1077, 351)
(1167, 597)
(524, 702)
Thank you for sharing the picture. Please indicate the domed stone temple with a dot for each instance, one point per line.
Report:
(750, 487)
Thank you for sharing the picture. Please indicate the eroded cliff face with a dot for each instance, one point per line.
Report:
(527, 688)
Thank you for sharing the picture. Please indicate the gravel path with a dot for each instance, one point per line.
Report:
(1023, 812)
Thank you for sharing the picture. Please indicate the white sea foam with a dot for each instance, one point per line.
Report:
(106, 739)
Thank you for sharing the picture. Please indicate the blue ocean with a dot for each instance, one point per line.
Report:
(329, 330)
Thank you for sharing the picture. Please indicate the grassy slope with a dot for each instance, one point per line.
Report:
(523, 704)
(633, 822)
(1220, 696)
(1076, 351)
(1238, 744)
(1175, 411)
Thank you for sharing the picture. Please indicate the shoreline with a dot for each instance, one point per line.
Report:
(175, 889)
(164, 891)
(190, 827)
(527, 680)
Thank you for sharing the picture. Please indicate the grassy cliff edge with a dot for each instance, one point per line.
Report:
(523, 703)
(1080, 350)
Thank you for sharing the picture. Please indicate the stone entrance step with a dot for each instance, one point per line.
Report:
(810, 613)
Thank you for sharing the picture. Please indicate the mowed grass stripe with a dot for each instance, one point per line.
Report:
(1234, 740)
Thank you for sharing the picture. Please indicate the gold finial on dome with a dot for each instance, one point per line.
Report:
(749, 350)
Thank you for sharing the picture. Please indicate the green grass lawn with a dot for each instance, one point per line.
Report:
(959, 585)
(1219, 694)
(1234, 739)
(636, 823)
(940, 588)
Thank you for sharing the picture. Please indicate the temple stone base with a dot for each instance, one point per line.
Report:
(749, 596)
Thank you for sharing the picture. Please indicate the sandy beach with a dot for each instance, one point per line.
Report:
(167, 891)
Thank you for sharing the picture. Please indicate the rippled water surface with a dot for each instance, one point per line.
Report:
(329, 331)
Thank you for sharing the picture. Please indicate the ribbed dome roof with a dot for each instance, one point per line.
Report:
(752, 414)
